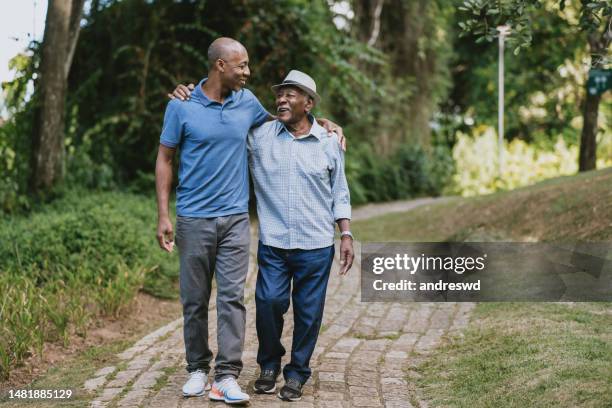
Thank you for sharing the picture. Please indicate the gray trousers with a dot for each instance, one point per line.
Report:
(220, 247)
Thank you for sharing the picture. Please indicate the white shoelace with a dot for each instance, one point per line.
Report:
(197, 375)
(229, 384)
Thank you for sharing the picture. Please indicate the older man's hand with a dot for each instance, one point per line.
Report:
(347, 254)
(182, 92)
(332, 127)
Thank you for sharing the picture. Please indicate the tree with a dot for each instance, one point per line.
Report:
(483, 16)
(62, 27)
(414, 37)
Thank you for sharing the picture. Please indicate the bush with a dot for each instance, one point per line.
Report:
(524, 164)
(82, 255)
(409, 172)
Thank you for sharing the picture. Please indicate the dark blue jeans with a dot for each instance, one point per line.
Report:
(309, 270)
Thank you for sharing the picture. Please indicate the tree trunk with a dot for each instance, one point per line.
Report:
(61, 32)
(598, 46)
(588, 139)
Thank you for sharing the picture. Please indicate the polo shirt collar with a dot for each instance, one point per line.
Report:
(201, 97)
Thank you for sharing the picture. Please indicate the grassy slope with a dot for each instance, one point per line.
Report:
(519, 354)
(565, 208)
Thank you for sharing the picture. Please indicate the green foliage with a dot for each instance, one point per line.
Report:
(524, 164)
(118, 87)
(15, 134)
(82, 255)
(410, 171)
(544, 84)
(482, 17)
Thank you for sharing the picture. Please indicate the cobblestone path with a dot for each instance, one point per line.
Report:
(364, 356)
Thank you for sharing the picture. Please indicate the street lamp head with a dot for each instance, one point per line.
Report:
(504, 30)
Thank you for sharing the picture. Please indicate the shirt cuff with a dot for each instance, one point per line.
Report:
(342, 211)
(168, 143)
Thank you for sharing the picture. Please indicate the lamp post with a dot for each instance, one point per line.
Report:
(504, 31)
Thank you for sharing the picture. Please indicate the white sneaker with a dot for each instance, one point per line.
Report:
(229, 391)
(196, 385)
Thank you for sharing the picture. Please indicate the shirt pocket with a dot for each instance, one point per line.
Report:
(315, 166)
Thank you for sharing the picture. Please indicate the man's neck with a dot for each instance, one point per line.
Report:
(213, 89)
(299, 128)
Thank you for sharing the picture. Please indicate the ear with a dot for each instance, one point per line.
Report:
(309, 104)
(220, 65)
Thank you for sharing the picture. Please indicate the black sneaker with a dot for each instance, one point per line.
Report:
(266, 383)
(291, 391)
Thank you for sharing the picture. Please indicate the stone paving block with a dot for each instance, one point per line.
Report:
(365, 331)
(109, 393)
(360, 381)
(198, 402)
(398, 404)
(337, 365)
(393, 372)
(94, 383)
(399, 311)
(365, 402)
(131, 352)
(122, 378)
(429, 341)
(387, 325)
(331, 377)
(346, 345)
(393, 381)
(369, 321)
(335, 330)
(405, 342)
(418, 322)
(440, 319)
(329, 396)
(331, 386)
(391, 354)
(375, 345)
(133, 398)
(139, 363)
(357, 391)
(166, 398)
(331, 356)
(333, 404)
(148, 379)
(370, 356)
(105, 371)
(377, 309)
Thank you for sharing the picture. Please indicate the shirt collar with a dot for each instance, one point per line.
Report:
(201, 97)
(316, 130)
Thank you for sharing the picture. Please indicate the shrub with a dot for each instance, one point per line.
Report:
(408, 172)
(82, 255)
(524, 164)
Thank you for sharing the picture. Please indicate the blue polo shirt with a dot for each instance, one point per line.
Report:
(211, 138)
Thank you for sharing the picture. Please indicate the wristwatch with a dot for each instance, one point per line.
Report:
(346, 234)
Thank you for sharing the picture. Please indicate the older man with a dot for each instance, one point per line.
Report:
(301, 190)
(210, 130)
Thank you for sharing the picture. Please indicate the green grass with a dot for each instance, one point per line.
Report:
(518, 354)
(71, 375)
(566, 208)
(82, 256)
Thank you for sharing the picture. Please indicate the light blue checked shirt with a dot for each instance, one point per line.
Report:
(300, 185)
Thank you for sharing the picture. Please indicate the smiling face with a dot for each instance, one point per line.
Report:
(234, 69)
(292, 104)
